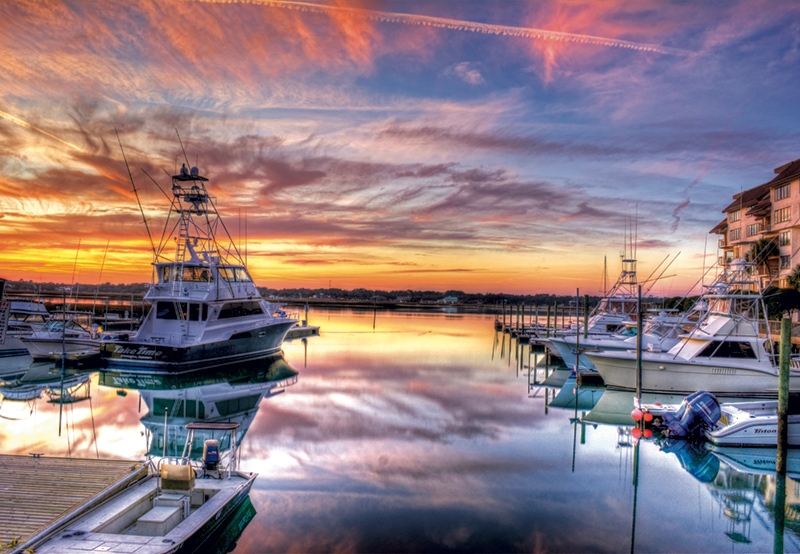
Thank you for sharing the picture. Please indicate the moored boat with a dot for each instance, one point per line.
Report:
(205, 309)
(725, 353)
(175, 505)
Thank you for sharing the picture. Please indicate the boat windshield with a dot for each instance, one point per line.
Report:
(186, 273)
(234, 274)
(58, 324)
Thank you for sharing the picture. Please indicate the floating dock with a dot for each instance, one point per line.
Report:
(41, 495)
(300, 331)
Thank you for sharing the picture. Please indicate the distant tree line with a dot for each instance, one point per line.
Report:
(359, 294)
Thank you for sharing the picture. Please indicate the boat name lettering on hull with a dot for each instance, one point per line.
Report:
(142, 352)
(765, 431)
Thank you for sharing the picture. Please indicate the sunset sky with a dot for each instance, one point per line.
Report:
(483, 146)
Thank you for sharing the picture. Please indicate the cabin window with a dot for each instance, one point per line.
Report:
(728, 349)
(240, 309)
(234, 274)
(196, 274)
(166, 310)
(236, 405)
(182, 310)
(177, 407)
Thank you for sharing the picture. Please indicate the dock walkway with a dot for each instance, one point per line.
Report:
(39, 493)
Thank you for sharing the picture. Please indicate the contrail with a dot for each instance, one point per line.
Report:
(459, 25)
(18, 121)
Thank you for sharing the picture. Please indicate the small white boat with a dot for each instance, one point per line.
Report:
(753, 424)
(176, 505)
(64, 333)
(732, 423)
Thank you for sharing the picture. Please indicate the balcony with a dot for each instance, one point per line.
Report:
(723, 242)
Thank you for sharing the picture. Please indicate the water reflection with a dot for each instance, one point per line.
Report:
(229, 394)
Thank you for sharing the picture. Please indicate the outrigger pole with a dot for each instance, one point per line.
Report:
(138, 201)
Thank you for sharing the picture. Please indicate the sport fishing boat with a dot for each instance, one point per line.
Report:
(616, 309)
(725, 353)
(660, 332)
(205, 309)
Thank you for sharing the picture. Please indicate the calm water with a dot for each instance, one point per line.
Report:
(418, 436)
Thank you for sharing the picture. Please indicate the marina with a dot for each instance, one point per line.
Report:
(412, 435)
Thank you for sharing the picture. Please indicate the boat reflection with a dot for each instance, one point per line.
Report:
(44, 378)
(231, 394)
(744, 484)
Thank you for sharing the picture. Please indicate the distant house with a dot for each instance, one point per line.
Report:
(449, 300)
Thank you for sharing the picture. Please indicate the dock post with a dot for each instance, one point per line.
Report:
(585, 316)
(555, 317)
(548, 322)
(783, 431)
(639, 348)
(783, 392)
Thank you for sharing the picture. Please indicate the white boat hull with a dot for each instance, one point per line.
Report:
(664, 373)
(41, 348)
(752, 424)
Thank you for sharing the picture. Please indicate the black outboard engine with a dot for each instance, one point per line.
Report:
(697, 412)
(211, 456)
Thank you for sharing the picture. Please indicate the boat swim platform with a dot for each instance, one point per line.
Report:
(40, 495)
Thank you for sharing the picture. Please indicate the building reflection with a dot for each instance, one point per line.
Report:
(230, 394)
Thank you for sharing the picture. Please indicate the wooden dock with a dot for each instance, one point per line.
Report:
(39, 495)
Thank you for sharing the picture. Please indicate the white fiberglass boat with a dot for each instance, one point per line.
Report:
(24, 318)
(62, 334)
(660, 332)
(725, 353)
(205, 309)
(753, 424)
(175, 505)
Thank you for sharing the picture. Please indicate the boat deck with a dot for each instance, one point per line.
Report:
(38, 492)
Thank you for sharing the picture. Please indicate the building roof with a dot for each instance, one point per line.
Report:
(786, 172)
(748, 198)
(756, 199)
(720, 228)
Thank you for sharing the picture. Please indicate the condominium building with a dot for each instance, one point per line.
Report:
(769, 211)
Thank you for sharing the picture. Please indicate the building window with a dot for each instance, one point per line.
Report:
(735, 234)
(752, 229)
(785, 238)
(784, 214)
(735, 216)
(783, 192)
(786, 262)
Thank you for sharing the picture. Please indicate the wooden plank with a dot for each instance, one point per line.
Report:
(36, 492)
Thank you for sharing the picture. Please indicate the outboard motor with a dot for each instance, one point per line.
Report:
(698, 411)
(211, 455)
